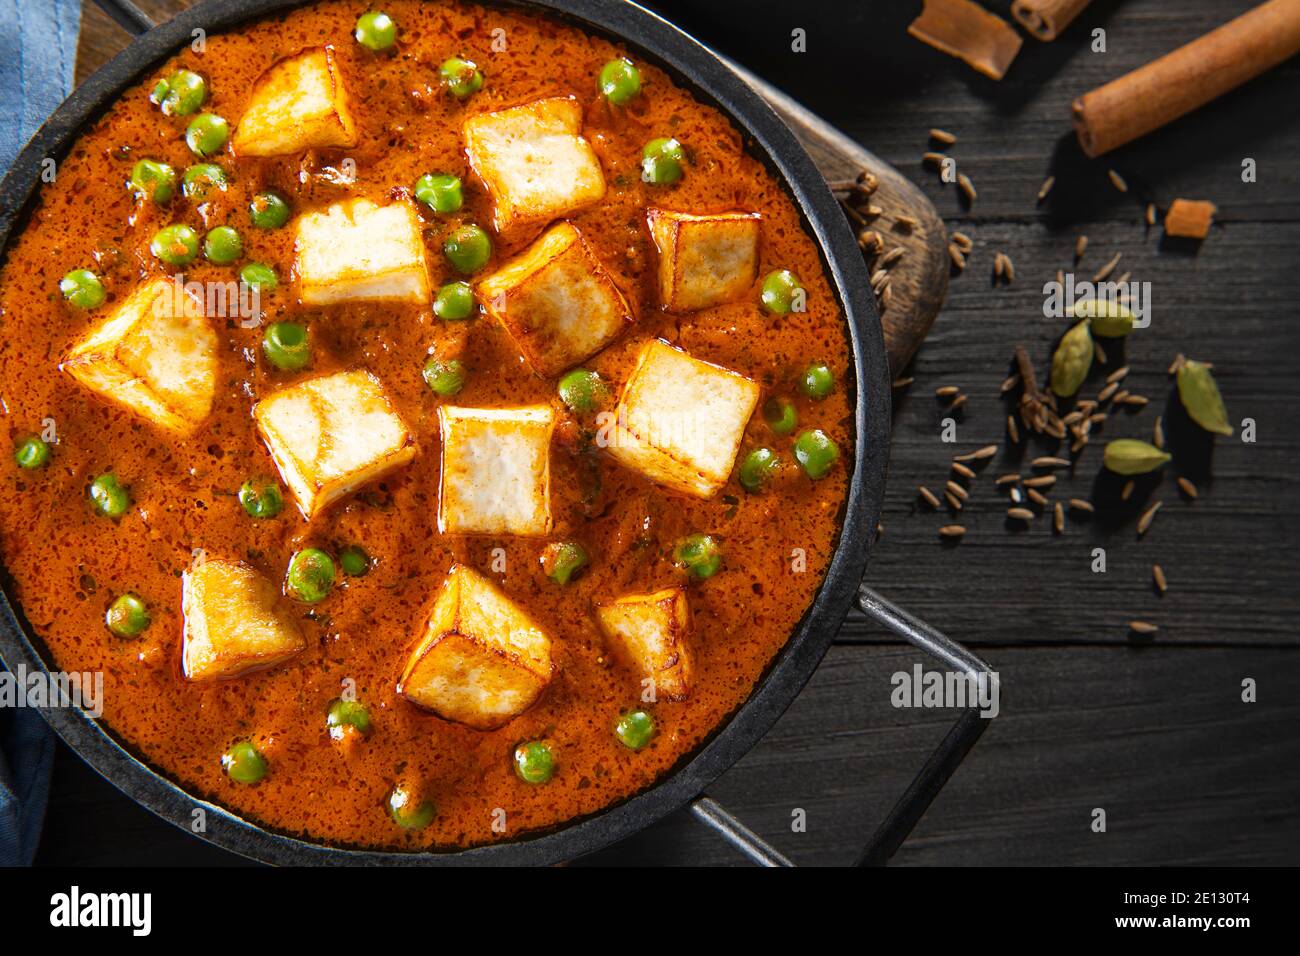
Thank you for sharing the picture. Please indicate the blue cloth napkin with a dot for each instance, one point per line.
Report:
(38, 52)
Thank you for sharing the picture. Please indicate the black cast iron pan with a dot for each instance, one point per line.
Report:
(700, 71)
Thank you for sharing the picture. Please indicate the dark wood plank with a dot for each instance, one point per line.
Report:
(1186, 772)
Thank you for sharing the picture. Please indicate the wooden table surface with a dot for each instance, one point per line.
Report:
(1155, 731)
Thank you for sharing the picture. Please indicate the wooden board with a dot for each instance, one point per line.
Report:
(919, 280)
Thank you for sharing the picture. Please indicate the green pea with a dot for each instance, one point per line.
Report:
(634, 729)
(782, 292)
(347, 713)
(561, 560)
(534, 762)
(154, 181)
(818, 380)
(461, 77)
(619, 81)
(261, 498)
(202, 179)
(311, 575)
(699, 554)
(244, 763)
(286, 345)
(445, 378)
(82, 288)
(661, 161)
(206, 134)
(376, 31)
(259, 276)
(454, 301)
(180, 94)
(223, 245)
(583, 390)
(354, 561)
(268, 210)
(408, 814)
(31, 453)
(758, 468)
(176, 245)
(816, 452)
(127, 616)
(468, 248)
(780, 415)
(109, 497)
(441, 192)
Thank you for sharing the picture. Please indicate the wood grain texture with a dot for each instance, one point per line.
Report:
(1150, 731)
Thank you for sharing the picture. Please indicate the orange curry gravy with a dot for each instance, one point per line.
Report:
(66, 564)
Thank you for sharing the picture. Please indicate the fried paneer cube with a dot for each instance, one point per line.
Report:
(299, 103)
(235, 622)
(155, 355)
(704, 260)
(482, 661)
(332, 434)
(650, 633)
(357, 250)
(556, 300)
(680, 420)
(496, 470)
(534, 162)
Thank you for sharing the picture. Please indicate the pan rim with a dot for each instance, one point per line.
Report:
(699, 70)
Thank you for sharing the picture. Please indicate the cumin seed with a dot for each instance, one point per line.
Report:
(1148, 516)
(1108, 268)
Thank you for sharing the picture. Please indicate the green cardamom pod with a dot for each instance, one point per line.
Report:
(1128, 456)
(1110, 320)
(1072, 360)
(1200, 396)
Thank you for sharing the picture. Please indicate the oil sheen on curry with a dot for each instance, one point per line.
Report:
(432, 424)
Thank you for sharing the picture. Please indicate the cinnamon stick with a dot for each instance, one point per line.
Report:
(1047, 19)
(963, 29)
(1188, 78)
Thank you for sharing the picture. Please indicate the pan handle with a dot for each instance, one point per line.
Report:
(945, 759)
(127, 16)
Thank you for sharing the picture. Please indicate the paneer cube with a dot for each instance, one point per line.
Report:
(156, 355)
(235, 622)
(680, 420)
(332, 434)
(534, 161)
(704, 260)
(556, 300)
(496, 470)
(299, 103)
(357, 250)
(650, 632)
(482, 661)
